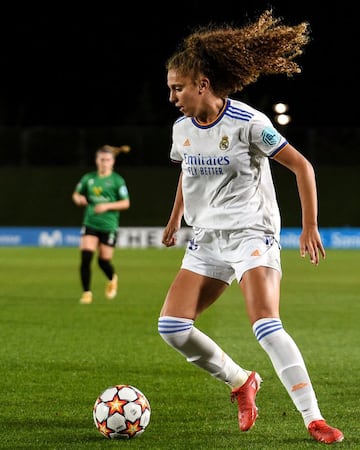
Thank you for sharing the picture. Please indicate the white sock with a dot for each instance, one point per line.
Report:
(200, 350)
(289, 366)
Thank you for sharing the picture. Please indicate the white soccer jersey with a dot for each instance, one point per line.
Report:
(227, 181)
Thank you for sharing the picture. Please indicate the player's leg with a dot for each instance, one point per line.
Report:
(88, 245)
(188, 296)
(261, 289)
(106, 253)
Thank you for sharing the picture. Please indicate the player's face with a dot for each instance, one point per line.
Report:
(184, 93)
(105, 162)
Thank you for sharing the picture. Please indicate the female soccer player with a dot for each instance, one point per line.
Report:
(226, 193)
(104, 194)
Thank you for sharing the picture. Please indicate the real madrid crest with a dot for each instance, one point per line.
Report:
(224, 143)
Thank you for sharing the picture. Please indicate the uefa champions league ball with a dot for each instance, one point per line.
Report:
(121, 412)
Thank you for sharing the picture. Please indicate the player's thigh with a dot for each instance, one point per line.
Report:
(89, 242)
(261, 289)
(190, 294)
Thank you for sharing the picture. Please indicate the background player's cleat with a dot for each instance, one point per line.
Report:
(322, 432)
(111, 287)
(245, 396)
(86, 298)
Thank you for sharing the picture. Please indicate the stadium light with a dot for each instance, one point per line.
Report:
(281, 116)
(280, 108)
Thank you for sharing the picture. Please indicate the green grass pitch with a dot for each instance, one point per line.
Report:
(56, 355)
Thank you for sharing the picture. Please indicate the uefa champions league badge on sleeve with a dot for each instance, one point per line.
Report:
(270, 136)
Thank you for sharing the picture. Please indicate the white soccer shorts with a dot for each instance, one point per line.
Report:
(226, 255)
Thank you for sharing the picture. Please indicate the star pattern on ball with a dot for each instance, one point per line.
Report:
(116, 405)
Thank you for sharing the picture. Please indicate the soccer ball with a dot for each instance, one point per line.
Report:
(121, 412)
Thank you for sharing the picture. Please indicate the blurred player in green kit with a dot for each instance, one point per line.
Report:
(104, 194)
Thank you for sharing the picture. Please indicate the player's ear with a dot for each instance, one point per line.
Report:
(204, 84)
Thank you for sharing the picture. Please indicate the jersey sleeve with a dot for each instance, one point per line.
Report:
(81, 186)
(123, 192)
(178, 140)
(264, 136)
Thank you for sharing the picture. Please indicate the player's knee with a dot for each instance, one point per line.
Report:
(174, 330)
(104, 264)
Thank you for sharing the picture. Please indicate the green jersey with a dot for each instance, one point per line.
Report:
(98, 189)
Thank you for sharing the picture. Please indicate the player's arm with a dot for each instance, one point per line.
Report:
(79, 199)
(174, 223)
(310, 240)
(119, 205)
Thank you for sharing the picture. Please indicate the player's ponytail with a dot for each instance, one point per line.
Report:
(114, 150)
(121, 149)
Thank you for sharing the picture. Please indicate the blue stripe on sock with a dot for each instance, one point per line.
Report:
(266, 328)
(167, 326)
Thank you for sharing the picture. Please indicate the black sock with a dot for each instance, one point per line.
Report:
(106, 266)
(85, 274)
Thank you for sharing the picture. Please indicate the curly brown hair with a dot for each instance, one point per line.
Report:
(233, 58)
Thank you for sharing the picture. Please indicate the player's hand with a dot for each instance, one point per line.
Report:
(169, 235)
(81, 200)
(100, 208)
(311, 244)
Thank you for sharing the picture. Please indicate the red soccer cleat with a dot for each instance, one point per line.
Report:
(322, 432)
(245, 396)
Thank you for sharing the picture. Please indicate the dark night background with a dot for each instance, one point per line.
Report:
(73, 79)
(105, 67)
